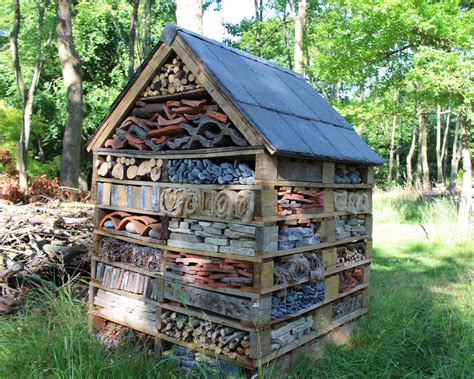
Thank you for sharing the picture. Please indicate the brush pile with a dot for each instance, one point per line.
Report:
(39, 242)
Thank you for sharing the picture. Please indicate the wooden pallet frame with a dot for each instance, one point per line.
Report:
(271, 172)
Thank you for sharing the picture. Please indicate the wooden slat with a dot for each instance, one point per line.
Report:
(231, 151)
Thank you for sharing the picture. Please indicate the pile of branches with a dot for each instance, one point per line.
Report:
(41, 245)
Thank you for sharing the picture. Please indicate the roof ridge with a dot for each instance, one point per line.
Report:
(170, 31)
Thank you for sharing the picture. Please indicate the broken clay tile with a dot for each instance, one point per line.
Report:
(217, 116)
(170, 130)
(164, 122)
(193, 103)
(115, 144)
(159, 140)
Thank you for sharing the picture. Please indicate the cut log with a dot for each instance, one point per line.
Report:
(103, 169)
(132, 172)
(155, 174)
(118, 171)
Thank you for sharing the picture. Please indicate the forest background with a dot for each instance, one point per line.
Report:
(401, 71)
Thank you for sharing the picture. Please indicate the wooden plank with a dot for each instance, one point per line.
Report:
(329, 169)
(329, 259)
(260, 342)
(328, 201)
(266, 167)
(224, 102)
(246, 153)
(266, 239)
(320, 246)
(299, 169)
(263, 274)
(180, 185)
(209, 301)
(336, 270)
(296, 183)
(121, 196)
(266, 201)
(328, 230)
(133, 93)
(332, 286)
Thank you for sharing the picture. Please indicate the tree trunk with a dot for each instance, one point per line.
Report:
(466, 194)
(424, 152)
(444, 148)
(189, 14)
(258, 24)
(419, 166)
(72, 75)
(439, 160)
(411, 152)
(392, 148)
(27, 93)
(287, 43)
(146, 45)
(132, 34)
(299, 16)
(455, 158)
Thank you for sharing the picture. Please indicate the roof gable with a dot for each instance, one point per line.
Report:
(270, 105)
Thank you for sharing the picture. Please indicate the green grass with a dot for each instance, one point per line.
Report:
(420, 321)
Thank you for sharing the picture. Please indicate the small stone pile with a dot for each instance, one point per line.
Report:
(204, 171)
(287, 333)
(290, 237)
(296, 299)
(346, 306)
(212, 236)
(347, 175)
(201, 364)
(347, 226)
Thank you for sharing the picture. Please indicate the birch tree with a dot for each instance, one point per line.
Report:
(27, 92)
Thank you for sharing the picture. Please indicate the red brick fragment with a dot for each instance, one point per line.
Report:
(217, 116)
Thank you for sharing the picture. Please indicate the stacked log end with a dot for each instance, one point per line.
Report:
(172, 77)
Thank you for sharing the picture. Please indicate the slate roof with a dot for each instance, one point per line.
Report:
(283, 108)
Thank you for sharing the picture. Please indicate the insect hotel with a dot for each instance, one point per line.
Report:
(233, 210)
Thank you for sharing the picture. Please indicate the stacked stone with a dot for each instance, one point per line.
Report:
(346, 306)
(297, 299)
(347, 226)
(204, 171)
(347, 175)
(287, 333)
(290, 237)
(215, 237)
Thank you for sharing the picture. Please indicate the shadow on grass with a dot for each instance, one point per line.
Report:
(419, 322)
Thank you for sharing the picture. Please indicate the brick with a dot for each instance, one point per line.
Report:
(196, 227)
(242, 243)
(237, 250)
(216, 241)
(205, 223)
(184, 225)
(242, 228)
(190, 221)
